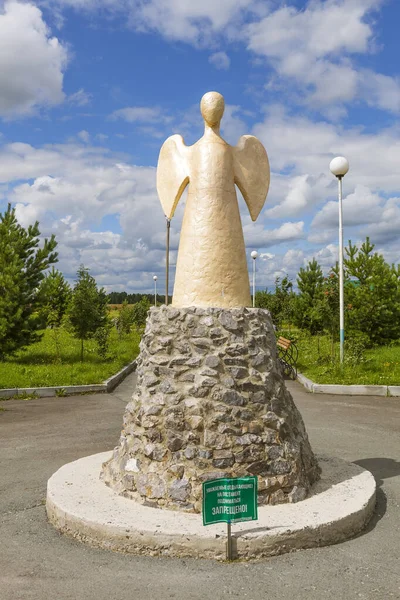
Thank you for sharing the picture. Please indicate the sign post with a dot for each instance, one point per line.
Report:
(229, 551)
(230, 501)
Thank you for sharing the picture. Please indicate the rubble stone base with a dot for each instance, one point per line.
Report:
(210, 402)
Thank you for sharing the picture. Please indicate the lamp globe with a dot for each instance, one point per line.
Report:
(339, 166)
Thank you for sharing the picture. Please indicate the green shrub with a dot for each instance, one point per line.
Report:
(125, 319)
(355, 347)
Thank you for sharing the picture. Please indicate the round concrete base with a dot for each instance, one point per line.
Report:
(82, 506)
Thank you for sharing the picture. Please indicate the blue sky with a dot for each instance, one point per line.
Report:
(90, 89)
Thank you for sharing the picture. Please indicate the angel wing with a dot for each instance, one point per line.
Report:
(172, 173)
(252, 174)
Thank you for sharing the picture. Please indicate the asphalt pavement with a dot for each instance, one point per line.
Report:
(37, 563)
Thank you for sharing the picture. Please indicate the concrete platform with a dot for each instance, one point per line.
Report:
(80, 505)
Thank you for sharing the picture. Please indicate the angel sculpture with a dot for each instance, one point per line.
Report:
(211, 268)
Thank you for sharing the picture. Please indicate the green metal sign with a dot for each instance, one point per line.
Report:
(230, 500)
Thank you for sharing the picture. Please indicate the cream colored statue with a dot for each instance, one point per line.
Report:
(212, 269)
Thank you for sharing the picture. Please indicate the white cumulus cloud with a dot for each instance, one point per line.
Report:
(317, 46)
(220, 60)
(31, 61)
(80, 98)
(139, 114)
(189, 21)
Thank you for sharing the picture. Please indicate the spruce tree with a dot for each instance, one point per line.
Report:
(54, 295)
(87, 311)
(372, 294)
(310, 283)
(125, 319)
(139, 312)
(22, 266)
(280, 303)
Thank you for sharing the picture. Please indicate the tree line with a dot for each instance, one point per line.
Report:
(121, 297)
(35, 296)
(371, 298)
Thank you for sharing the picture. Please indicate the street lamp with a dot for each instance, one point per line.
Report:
(254, 255)
(339, 167)
(155, 290)
(168, 221)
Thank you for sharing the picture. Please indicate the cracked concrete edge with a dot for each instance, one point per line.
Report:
(68, 390)
(84, 508)
(348, 390)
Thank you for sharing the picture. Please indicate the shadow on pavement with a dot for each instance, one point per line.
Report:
(381, 469)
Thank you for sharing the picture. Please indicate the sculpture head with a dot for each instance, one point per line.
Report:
(212, 108)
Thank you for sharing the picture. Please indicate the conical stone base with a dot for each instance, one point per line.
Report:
(210, 402)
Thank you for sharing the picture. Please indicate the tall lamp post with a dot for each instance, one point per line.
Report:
(167, 260)
(339, 166)
(155, 290)
(254, 255)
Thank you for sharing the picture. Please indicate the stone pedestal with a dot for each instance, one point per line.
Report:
(210, 402)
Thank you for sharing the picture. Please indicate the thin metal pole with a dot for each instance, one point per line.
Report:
(229, 553)
(155, 292)
(341, 282)
(167, 262)
(254, 282)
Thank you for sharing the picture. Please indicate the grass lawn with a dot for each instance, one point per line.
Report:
(381, 366)
(37, 366)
